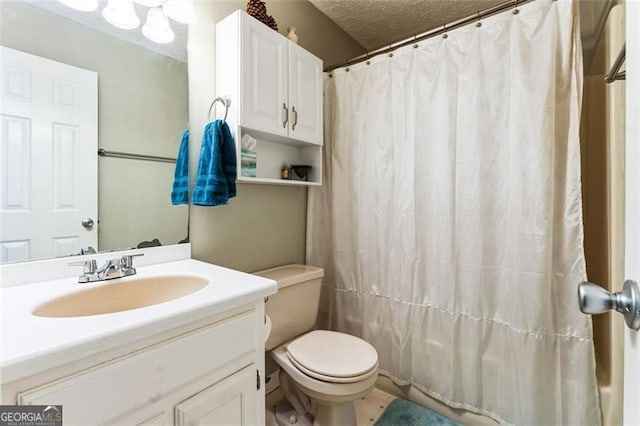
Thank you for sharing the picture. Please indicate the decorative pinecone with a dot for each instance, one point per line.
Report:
(258, 9)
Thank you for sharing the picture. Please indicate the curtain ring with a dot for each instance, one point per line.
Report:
(415, 45)
(515, 5)
(368, 61)
(445, 35)
(478, 24)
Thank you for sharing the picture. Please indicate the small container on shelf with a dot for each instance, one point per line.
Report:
(248, 156)
(299, 172)
(284, 173)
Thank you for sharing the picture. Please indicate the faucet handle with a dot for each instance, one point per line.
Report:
(88, 266)
(127, 260)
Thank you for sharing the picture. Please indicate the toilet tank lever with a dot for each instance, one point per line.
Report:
(594, 299)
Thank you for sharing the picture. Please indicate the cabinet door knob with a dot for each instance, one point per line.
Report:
(286, 115)
(295, 117)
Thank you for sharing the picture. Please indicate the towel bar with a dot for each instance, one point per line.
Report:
(226, 101)
(144, 157)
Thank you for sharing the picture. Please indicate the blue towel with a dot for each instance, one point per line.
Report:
(216, 179)
(180, 192)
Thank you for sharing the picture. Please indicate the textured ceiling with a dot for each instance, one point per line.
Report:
(378, 23)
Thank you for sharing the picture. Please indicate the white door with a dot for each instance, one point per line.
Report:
(231, 401)
(305, 95)
(631, 415)
(49, 129)
(264, 78)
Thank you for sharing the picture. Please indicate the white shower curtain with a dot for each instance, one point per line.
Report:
(450, 222)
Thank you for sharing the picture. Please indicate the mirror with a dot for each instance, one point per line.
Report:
(73, 84)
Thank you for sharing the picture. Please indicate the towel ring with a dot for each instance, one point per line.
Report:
(225, 101)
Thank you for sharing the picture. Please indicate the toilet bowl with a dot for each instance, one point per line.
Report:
(332, 369)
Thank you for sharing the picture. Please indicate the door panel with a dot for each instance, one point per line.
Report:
(49, 157)
(264, 76)
(231, 401)
(305, 95)
(632, 206)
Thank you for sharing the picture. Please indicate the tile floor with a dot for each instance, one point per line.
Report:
(368, 408)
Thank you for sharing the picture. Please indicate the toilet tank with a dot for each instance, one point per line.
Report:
(294, 308)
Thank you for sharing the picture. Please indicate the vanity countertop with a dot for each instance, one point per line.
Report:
(30, 344)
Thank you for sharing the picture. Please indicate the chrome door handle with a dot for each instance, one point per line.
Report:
(295, 118)
(594, 299)
(286, 115)
(88, 223)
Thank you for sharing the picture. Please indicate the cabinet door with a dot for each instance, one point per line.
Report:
(305, 95)
(232, 401)
(264, 78)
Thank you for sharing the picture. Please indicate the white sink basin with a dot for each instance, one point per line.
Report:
(121, 296)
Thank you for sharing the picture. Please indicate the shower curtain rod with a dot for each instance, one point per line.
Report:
(432, 33)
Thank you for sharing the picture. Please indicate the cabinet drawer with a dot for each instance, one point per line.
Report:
(97, 395)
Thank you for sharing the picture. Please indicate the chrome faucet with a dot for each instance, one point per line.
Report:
(112, 268)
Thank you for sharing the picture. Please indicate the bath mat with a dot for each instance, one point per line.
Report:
(404, 413)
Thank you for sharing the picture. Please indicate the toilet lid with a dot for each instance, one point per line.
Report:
(330, 354)
(330, 379)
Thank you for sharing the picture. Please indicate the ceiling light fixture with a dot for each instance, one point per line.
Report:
(180, 11)
(121, 14)
(149, 3)
(82, 5)
(157, 27)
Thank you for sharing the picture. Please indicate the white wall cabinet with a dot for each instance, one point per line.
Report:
(275, 87)
(209, 376)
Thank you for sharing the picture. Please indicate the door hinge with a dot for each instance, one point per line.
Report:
(258, 381)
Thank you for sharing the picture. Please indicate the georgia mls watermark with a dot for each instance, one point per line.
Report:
(30, 415)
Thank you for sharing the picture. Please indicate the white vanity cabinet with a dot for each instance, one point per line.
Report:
(210, 375)
(275, 87)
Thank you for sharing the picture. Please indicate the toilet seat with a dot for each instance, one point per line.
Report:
(333, 357)
(322, 390)
(331, 379)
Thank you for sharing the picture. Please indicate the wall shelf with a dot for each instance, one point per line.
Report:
(270, 181)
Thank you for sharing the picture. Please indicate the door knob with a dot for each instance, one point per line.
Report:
(88, 223)
(594, 299)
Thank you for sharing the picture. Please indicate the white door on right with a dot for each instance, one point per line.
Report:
(631, 415)
(49, 167)
(305, 95)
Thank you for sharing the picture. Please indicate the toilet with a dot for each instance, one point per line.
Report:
(329, 368)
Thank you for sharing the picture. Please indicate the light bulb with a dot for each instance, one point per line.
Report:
(157, 27)
(180, 11)
(149, 3)
(122, 14)
(83, 5)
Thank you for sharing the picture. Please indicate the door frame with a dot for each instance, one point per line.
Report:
(631, 414)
